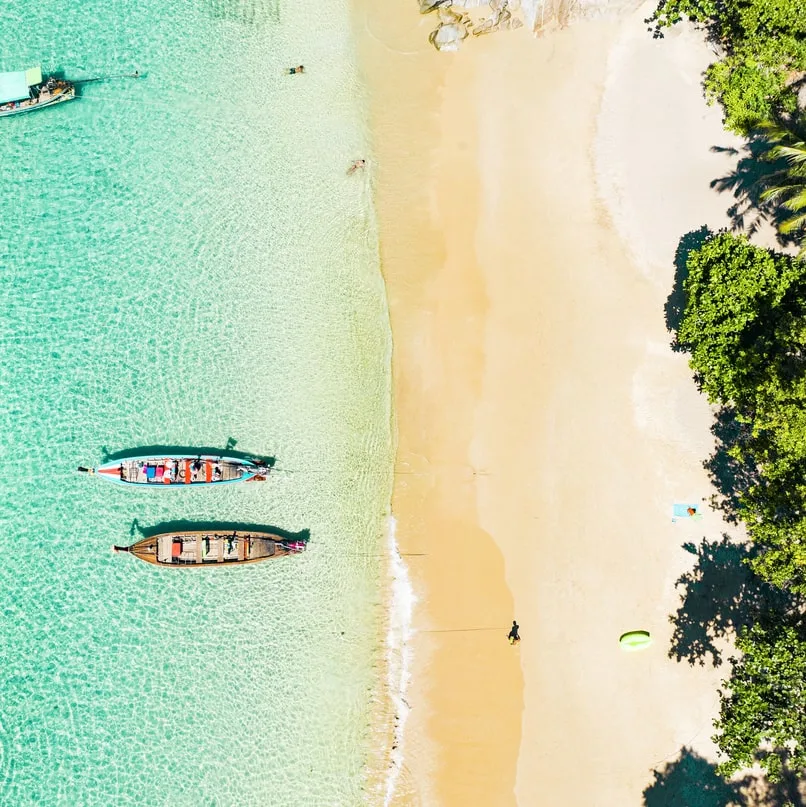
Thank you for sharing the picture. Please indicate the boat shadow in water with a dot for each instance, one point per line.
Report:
(217, 527)
(228, 450)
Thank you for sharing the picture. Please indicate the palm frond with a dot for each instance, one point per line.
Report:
(797, 202)
(793, 224)
(795, 153)
(771, 194)
(787, 187)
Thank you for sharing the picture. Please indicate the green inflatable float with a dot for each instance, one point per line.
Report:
(635, 640)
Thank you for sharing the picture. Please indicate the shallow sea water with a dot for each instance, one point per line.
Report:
(183, 260)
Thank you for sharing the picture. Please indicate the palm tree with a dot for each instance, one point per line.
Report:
(787, 141)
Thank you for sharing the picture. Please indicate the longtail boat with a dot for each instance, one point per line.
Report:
(210, 548)
(26, 90)
(181, 470)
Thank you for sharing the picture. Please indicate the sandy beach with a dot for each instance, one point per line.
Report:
(531, 193)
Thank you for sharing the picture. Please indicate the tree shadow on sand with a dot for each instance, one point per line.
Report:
(746, 183)
(719, 596)
(692, 781)
(730, 476)
(676, 301)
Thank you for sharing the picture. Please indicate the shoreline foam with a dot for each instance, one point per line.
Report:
(398, 655)
(466, 683)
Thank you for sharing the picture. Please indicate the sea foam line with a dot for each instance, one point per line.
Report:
(398, 652)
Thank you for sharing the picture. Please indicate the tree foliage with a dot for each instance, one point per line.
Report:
(763, 43)
(787, 144)
(782, 558)
(744, 325)
(763, 711)
(742, 321)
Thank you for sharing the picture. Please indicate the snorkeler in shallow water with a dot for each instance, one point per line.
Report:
(292, 71)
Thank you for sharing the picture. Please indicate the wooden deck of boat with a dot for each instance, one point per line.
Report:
(208, 548)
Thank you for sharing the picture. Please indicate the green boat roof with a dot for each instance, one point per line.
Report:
(14, 86)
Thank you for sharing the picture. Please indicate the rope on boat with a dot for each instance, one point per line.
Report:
(135, 74)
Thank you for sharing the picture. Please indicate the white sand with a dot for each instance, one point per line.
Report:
(583, 475)
(531, 194)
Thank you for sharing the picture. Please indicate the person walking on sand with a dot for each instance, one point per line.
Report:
(357, 164)
(513, 635)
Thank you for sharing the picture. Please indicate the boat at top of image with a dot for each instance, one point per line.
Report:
(210, 548)
(181, 470)
(26, 90)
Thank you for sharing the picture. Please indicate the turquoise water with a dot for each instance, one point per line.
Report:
(183, 260)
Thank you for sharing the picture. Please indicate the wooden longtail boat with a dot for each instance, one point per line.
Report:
(210, 548)
(25, 90)
(181, 470)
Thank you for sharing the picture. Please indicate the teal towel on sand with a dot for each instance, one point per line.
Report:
(681, 511)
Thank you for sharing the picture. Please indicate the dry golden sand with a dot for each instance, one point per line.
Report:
(531, 193)
(437, 301)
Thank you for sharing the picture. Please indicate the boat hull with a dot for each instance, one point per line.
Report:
(58, 99)
(210, 548)
(181, 470)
